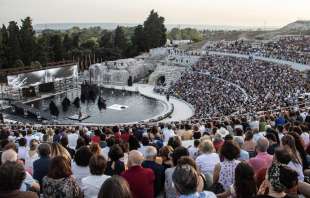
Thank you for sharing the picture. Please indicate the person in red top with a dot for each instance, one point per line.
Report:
(96, 138)
(140, 180)
(117, 133)
(262, 160)
(125, 134)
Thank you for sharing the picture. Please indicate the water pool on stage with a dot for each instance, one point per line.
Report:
(138, 107)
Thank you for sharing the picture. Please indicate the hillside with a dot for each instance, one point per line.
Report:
(297, 25)
(295, 28)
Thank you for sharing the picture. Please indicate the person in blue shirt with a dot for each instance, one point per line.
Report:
(41, 165)
(280, 121)
(244, 155)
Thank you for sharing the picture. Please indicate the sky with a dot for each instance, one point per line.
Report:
(197, 12)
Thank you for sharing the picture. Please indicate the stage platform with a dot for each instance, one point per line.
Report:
(118, 107)
(76, 117)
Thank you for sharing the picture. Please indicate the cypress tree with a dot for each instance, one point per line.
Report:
(120, 40)
(57, 47)
(106, 40)
(13, 47)
(76, 41)
(27, 41)
(3, 47)
(42, 50)
(138, 39)
(155, 30)
(67, 45)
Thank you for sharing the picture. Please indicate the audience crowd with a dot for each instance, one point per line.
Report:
(266, 156)
(242, 144)
(222, 85)
(209, 96)
(289, 48)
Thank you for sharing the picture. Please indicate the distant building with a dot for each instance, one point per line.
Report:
(177, 42)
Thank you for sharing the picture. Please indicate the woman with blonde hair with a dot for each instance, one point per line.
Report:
(208, 158)
(50, 133)
(288, 143)
(165, 155)
(58, 150)
(32, 155)
(95, 148)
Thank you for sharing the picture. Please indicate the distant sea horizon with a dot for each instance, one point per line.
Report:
(111, 26)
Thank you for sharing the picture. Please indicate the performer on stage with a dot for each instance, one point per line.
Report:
(1, 118)
(80, 115)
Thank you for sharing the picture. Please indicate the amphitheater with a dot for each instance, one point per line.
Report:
(223, 113)
(200, 83)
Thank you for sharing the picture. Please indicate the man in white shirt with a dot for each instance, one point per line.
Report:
(22, 150)
(72, 139)
(257, 135)
(208, 159)
(92, 183)
(168, 133)
(254, 124)
(193, 149)
(11, 155)
(145, 143)
(244, 155)
(105, 151)
(29, 137)
(202, 129)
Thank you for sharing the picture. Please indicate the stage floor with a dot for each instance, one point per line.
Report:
(118, 107)
(76, 117)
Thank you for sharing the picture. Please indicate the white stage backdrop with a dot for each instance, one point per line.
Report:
(42, 76)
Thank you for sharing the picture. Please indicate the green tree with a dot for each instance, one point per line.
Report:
(90, 44)
(57, 48)
(27, 41)
(155, 30)
(120, 40)
(138, 39)
(108, 54)
(67, 43)
(42, 50)
(191, 34)
(76, 40)
(67, 46)
(13, 47)
(3, 47)
(107, 40)
(35, 64)
(18, 63)
(175, 34)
